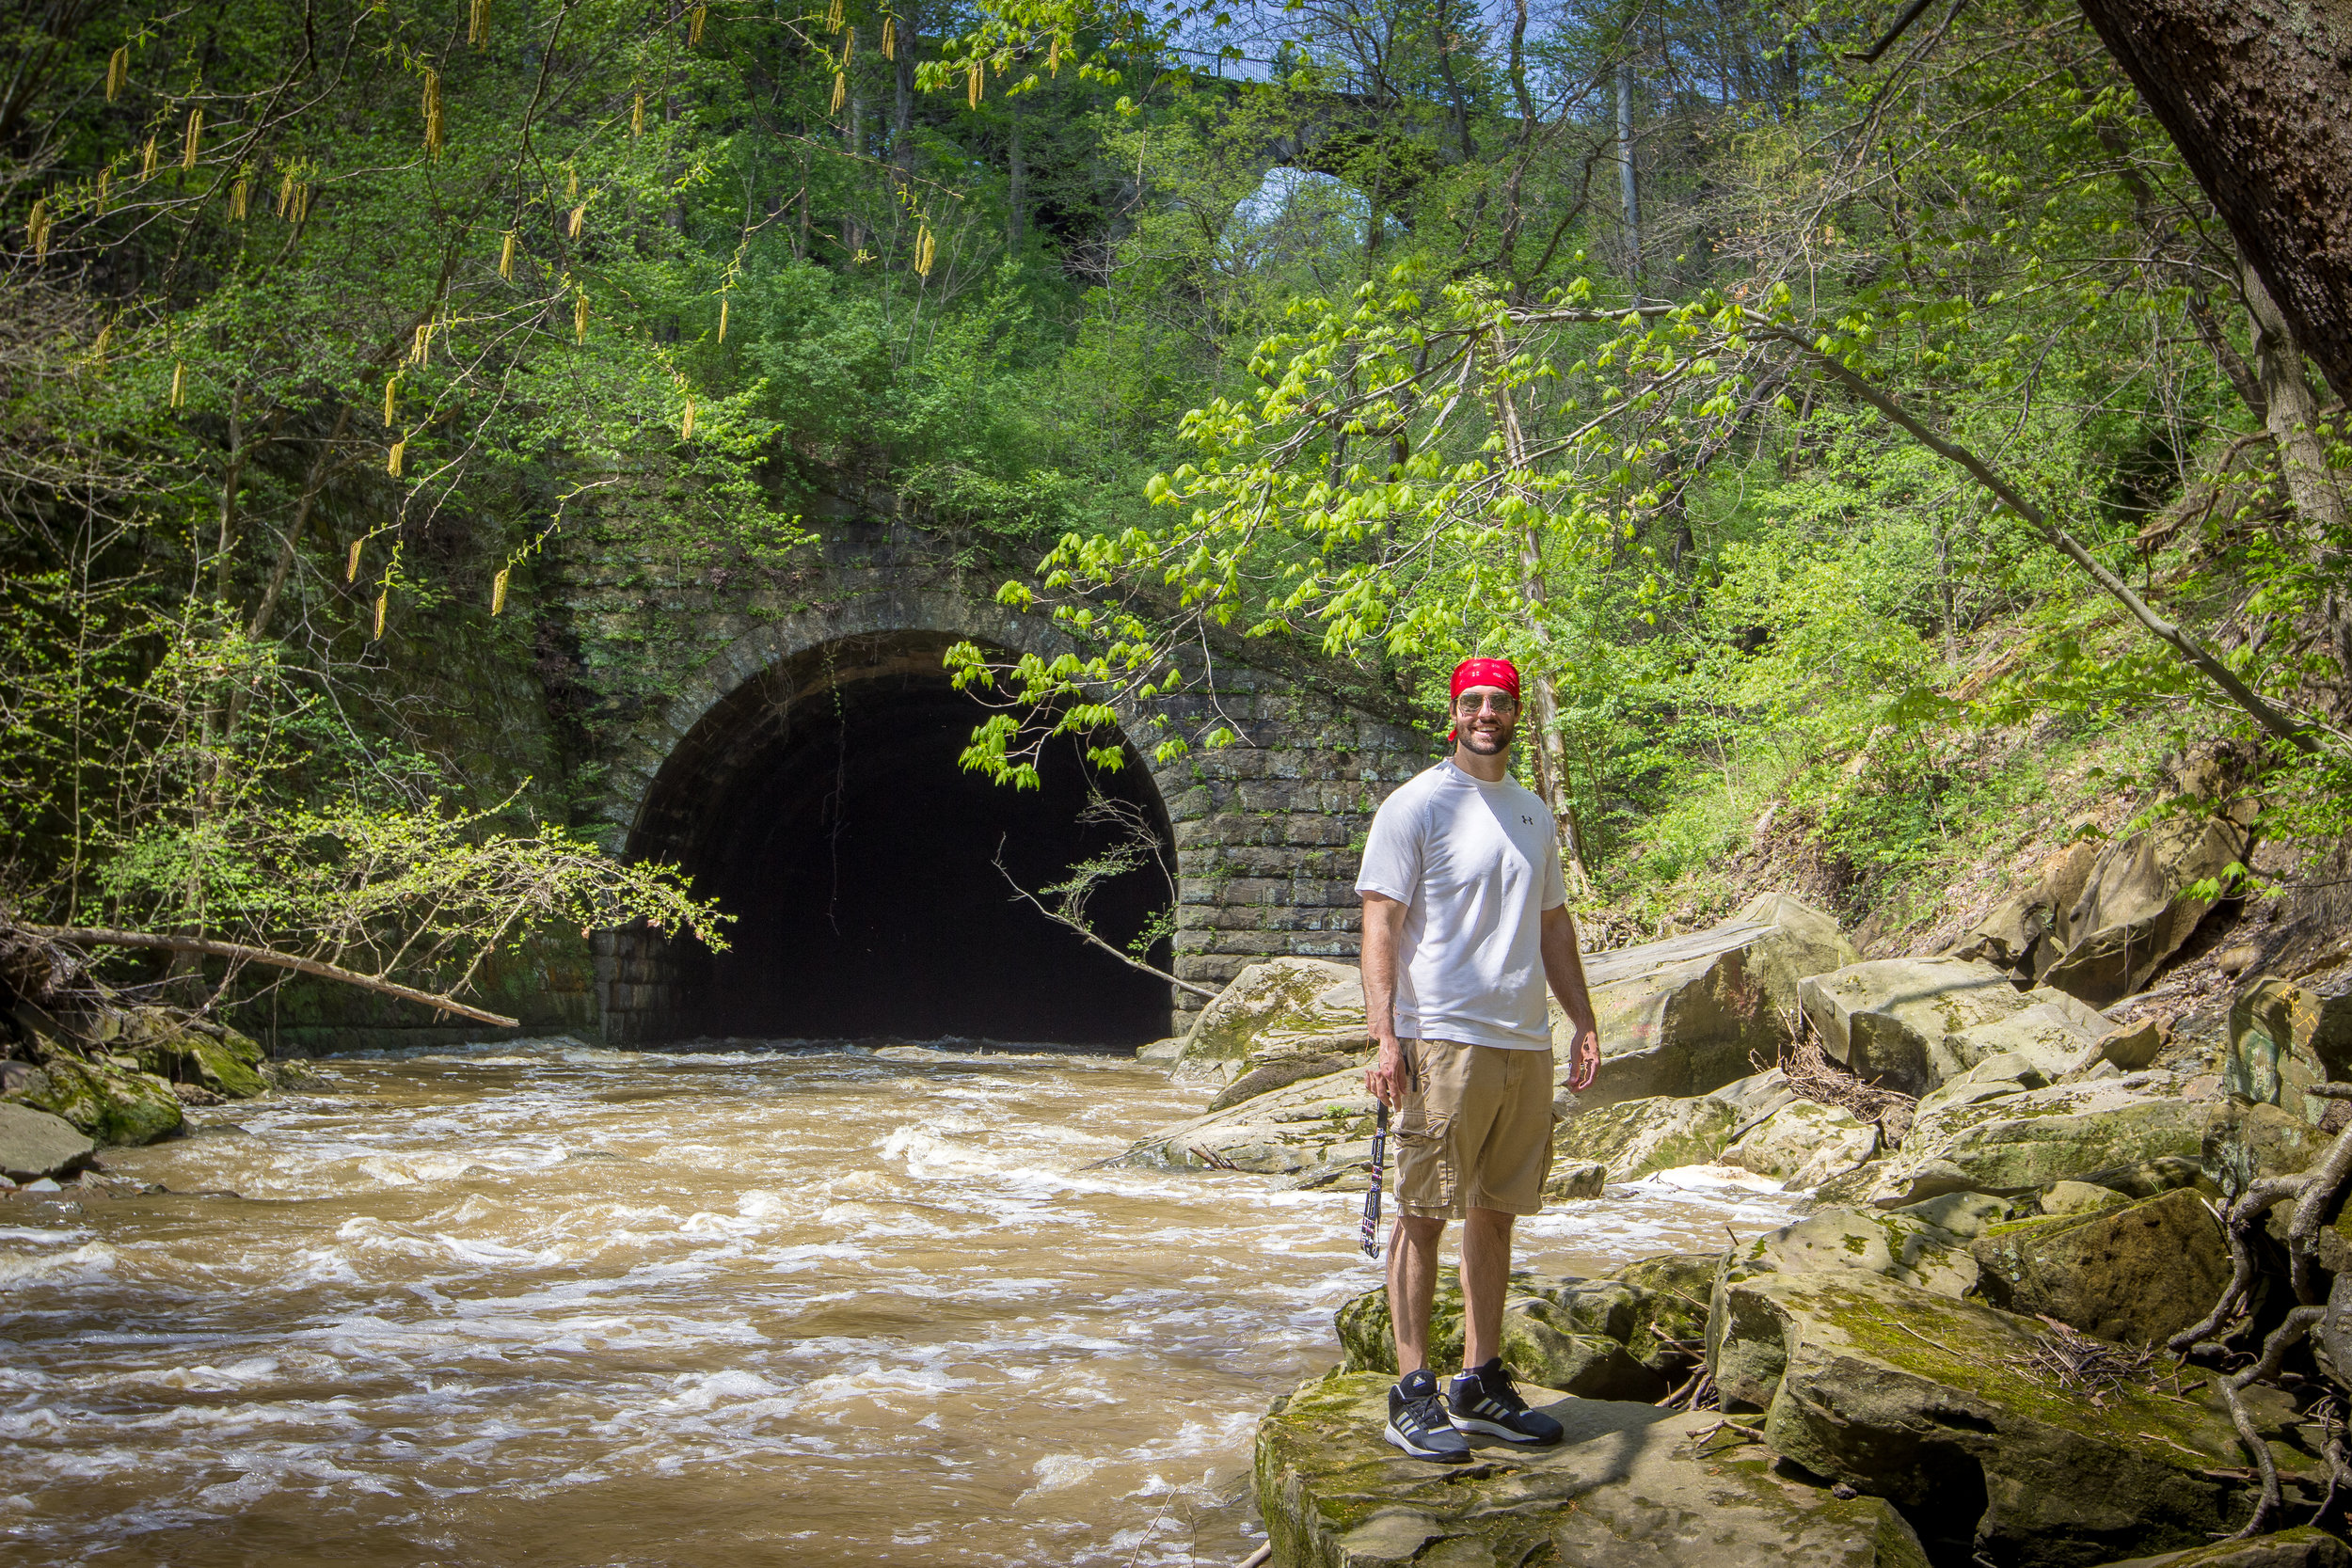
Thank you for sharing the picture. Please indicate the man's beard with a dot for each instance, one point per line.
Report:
(1480, 745)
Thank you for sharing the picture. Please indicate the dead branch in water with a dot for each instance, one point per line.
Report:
(98, 936)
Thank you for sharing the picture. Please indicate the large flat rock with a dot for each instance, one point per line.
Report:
(2019, 1142)
(1686, 1015)
(1316, 1124)
(1913, 1024)
(34, 1144)
(1631, 1487)
(1952, 1410)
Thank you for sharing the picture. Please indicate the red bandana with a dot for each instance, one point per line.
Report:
(1485, 671)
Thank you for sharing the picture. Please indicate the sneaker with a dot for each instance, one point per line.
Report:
(1484, 1400)
(1417, 1419)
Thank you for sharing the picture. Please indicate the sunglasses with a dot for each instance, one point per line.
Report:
(1472, 702)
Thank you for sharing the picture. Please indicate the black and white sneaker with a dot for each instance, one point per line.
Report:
(1484, 1400)
(1418, 1422)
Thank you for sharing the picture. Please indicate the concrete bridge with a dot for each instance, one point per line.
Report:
(805, 772)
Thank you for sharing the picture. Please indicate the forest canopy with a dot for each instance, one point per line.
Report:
(1816, 401)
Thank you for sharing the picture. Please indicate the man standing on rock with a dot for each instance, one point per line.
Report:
(1465, 919)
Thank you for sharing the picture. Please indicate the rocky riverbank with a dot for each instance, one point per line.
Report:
(2066, 1293)
(83, 1067)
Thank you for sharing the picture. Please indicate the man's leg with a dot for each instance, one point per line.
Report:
(1485, 1280)
(1413, 1286)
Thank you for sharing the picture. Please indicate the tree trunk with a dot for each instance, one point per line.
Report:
(2258, 96)
(1016, 183)
(1629, 186)
(2291, 414)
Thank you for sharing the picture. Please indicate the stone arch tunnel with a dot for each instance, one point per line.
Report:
(804, 773)
(822, 804)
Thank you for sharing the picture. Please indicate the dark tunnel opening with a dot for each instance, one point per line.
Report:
(824, 808)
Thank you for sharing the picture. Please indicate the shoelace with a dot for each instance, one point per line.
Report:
(1504, 1391)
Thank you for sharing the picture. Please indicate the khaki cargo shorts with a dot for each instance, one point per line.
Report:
(1474, 1130)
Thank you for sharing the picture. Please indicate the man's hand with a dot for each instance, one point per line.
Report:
(1584, 1059)
(1388, 1077)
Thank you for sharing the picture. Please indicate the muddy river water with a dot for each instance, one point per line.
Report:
(540, 1302)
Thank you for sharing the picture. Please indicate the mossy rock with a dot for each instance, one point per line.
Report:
(1630, 1486)
(2016, 1144)
(1304, 999)
(1947, 1408)
(2138, 1274)
(1835, 1240)
(107, 1104)
(2300, 1547)
(1635, 1137)
(225, 1062)
(1621, 1337)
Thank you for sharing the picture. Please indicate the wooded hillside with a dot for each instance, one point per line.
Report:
(1857, 418)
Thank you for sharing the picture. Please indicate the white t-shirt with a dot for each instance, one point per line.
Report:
(1475, 865)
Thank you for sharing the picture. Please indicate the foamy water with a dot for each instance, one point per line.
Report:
(549, 1304)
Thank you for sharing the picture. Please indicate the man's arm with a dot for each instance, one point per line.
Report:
(1384, 926)
(1564, 968)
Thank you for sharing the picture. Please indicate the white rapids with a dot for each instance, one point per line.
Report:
(546, 1303)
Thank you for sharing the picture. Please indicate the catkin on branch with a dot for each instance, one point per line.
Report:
(179, 384)
(195, 139)
(580, 219)
(118, 71)
(686, 430)
(841, 91)
(381, 600)
(973, 82)
(478, 25)
(37, 229)
(833, 18)
(1053, 56)
(637, 115)
(579, 319)
(926, 250)
(240, 199)
(694, 20)
(106, 181)
(497, 589)
(146, 160)
(351, 573)
(506, 257)
(723, 318)
(98, 349)
(395, 458)
(433, 113)
(392, 387)
(890, 39)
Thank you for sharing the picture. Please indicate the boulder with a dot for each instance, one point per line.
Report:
(1689, 1014)
(2019, 1143)
(1634, 1137)
(1804, 1143)
(1630, 1335)
(34, 1145)
(1952, 1410)
(108, 1103)
(1630, 1486)
(2300, 1547)
(1828, 1241)
(1283, 1071)
(2076, 1199)
(2138, 1274)
(1573, 1181)
(1275, 1008)
(1315, 1127)
(1912, 1023)
(1569, 1334)
(2025, 928)
(2144, 896)
(2287, 1036)
(1754, 1098)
